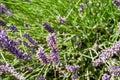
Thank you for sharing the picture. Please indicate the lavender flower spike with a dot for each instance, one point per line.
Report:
(41, 55)
(51, 40)
(114, 70)
(3, 9)
(7, 68)
(71, 68)
(12, 49)
(106, 53)
(26, 35)
(105, 76)
(48, 27)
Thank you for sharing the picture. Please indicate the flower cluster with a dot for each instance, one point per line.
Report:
(7, 68)
(71, 68)
(9, 44)
(27, 36)
(12, 28)
(51, 40)
(105, 76)
(106, 53)
(114, 70)
(41, 55)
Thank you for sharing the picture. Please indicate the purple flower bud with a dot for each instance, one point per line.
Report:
(40, 78)
(48, 27)
(7, 68)
(9, 13)
(105, 76)
(3, 23)
(2, 33)
(61, 20)
(3, 9)
(41, 55)
(71, 68)
(12, 28)
(81, 8)
(114, 70)
(117, 3)
(74, 77)
(26, 35)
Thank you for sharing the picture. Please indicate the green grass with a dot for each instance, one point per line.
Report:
(96, 24)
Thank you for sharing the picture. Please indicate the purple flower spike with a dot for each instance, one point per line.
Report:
(26, 35)
(15, 51)
(3, 23)
(40, 78)
(7, 68)
(106, 53)
(105, 76)
(3, 9)
(71, 68)
(114, 70)
(48, 27)
(41, 55)
(51, 40)
(12, 28)
(74, 77)
(61, 20)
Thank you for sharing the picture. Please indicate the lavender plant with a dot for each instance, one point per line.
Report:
(7, 68)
